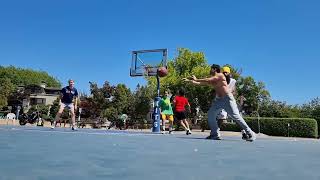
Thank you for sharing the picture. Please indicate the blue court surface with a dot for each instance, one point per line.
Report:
(30, 153)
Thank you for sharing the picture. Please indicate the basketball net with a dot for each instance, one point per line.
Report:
(150, 71)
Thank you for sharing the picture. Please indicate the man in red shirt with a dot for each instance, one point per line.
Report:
(179, 103)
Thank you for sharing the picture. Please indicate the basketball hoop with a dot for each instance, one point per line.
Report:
(146, 63)
(150, 71)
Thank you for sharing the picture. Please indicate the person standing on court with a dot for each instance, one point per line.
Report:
(180, 102)
(232, 88)
(166, 111)
(224, 100)
(68, 99)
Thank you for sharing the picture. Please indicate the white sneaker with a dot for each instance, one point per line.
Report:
(251, 136)
(244, 135)
(74, 128)
(53, 125)
(188, 132)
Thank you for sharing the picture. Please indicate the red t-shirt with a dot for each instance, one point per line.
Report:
(180, 103)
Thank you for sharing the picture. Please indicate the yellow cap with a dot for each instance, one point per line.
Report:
(226, 69)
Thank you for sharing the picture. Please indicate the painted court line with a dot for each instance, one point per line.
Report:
(79, 131)
(134, 133)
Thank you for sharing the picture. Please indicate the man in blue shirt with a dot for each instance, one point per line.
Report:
(68, 99)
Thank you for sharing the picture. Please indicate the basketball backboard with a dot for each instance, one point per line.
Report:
(147, 62)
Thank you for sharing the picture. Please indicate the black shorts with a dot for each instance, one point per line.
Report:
(180, 115)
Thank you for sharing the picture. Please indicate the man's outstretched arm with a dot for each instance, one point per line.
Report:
(204, 81)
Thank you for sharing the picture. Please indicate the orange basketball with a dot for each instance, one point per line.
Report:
(162, 71)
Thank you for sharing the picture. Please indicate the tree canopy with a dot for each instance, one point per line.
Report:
(24, 77)
(12, 77)
(111, 101)
(189, 63)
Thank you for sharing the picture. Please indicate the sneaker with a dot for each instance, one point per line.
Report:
(170, 132)
(251, 137)
(53, 125)
(74, 128)
(214, 137)
(244, 135)
(188, 132)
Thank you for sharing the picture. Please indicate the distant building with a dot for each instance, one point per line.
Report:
(31, 95)
(40, 95)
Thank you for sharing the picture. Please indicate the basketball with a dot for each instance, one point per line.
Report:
(162, 71)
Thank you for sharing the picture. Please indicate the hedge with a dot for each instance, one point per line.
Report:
(318, 121)
(298, 127)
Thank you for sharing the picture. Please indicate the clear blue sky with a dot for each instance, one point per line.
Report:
(275, 41)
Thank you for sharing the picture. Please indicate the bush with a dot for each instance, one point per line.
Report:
(318, 121)
(230, 127)
(46, 117)
(298, 127)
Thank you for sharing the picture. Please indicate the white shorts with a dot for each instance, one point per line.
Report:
(222, 114)
(66, 105)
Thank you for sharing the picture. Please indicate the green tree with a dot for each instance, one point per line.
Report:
(111, 113)
(187, 63)
(311, 109)
(12, 78)
(279, 109)
(100, 98)
(54, 108)
(254, 94)
(142, 102)
(6, 87)
(20, 76)
(109, 101)
(120, 102)
(122, 99)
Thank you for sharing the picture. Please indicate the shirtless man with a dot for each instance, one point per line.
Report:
(223, 100)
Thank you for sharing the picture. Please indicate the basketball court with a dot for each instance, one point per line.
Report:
(29, 153)
(42, 153)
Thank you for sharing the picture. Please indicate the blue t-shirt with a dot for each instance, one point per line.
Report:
(68, 94)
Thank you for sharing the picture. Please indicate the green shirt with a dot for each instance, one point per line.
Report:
(165, 106)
